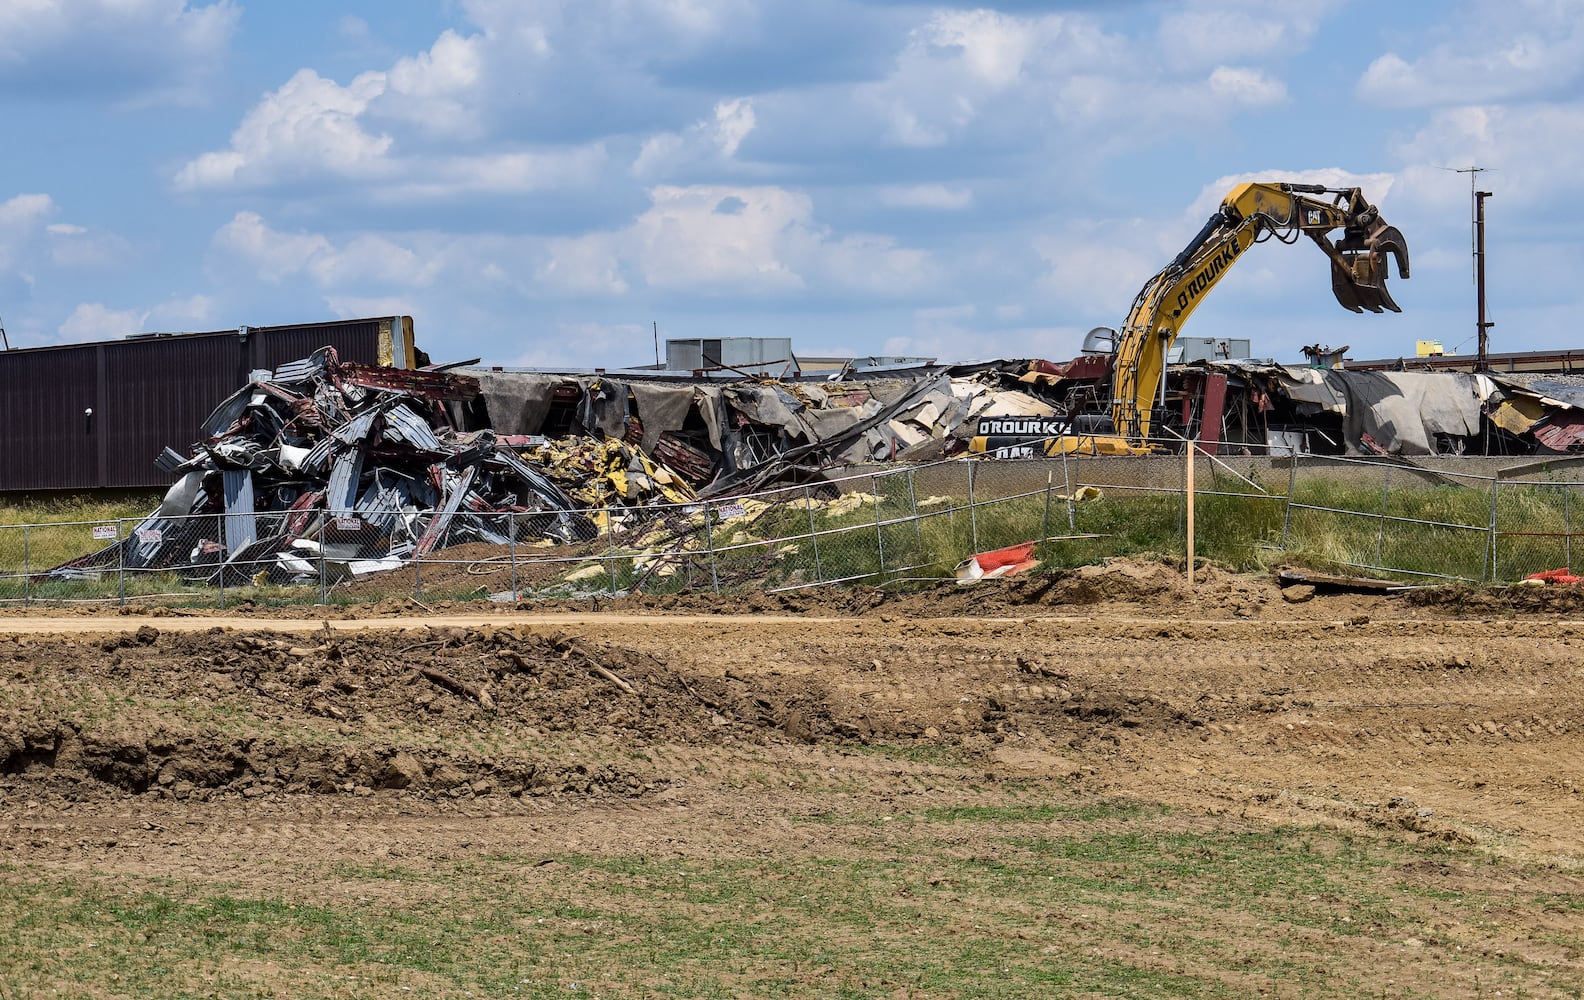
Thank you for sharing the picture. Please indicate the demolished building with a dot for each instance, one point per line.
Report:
(323, 463)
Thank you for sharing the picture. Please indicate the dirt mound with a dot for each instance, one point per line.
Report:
(1526, 599)
(457, 712)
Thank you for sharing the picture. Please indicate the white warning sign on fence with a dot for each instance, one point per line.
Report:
(150, 536)
(104, 532)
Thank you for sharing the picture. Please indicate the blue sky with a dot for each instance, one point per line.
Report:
(537, 181)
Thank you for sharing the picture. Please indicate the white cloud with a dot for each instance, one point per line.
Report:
(933, 196)
(437, 89)
(356, 307)
(582, 265)
(587, 342)
(713, 240)
(309, 126)
(314, 128)
(188, 313)
(96, 321)
(1518, 49)
(984, 75)
(957, 62)
(273, 254)
(93, 321)
(632, 28)
(127, 50)
(1207, 32)
(494, 173)
(1098, 267)
(716, 237)
(714, 140)
(21, 221)
(1249, 88)
(989, 46)
(756, 240)
(78, 247)
(1532, 151)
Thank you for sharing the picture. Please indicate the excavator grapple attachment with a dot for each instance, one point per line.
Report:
(1359, 272)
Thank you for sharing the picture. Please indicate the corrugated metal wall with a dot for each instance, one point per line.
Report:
(48, 442)
(145, 393)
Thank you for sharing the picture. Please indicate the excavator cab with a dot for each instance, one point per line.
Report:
(1360, 269)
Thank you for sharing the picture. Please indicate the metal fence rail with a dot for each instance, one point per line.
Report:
(916, 522)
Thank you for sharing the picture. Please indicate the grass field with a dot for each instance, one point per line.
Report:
(1068, 898)
(1412, 530)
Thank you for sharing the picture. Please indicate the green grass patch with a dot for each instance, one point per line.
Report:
(1374, 520)
(1120, 902)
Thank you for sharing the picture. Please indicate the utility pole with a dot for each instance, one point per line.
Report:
(657, 342)
(3, 336)
(1484, 325)
(1481, 324)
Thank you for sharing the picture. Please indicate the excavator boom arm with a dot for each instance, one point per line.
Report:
(1249, 214)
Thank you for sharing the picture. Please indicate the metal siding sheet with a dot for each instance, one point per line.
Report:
(156, 392)
(47, 443)
(159, 392)
(356, 340)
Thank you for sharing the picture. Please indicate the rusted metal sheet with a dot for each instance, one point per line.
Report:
(430, 385)
(1563, 432)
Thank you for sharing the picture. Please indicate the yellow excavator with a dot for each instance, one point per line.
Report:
(1250, 214)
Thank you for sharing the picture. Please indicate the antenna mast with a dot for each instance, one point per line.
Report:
(1481, 324)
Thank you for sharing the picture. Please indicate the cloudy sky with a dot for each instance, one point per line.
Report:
(537, 182)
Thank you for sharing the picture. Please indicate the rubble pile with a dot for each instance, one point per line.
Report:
(608, 473)
(324, 463)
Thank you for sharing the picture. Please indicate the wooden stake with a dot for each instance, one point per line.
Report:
(1192, 447)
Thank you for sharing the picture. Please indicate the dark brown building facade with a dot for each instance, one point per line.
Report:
(88, 416)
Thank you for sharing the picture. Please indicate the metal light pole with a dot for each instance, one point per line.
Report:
(1483, 325)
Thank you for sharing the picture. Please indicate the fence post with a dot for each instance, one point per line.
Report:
(1189, 489)
(1072, 513)
(27, 566)
(1050, 477)
(417, 574)
(1380, 534)
(1488, 573)
(1567, 528)
(610, 538)
(709, 543)
(323, 592)
(1292, 488)
(120, 567)
(819, 569)
(874, 488)
(918, 526)
(225, 561)
(511, 537)
(973, 514)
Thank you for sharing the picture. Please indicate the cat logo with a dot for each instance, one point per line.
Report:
(1312, 216)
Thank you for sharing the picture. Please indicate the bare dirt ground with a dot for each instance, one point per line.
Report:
(259, 749)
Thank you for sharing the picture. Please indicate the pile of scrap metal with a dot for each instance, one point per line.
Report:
(733, 438)
(323, 464)
(1399, 413)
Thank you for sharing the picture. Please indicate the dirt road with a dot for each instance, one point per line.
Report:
(189, 743)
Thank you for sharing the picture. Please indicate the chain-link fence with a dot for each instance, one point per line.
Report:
(1378, 516)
